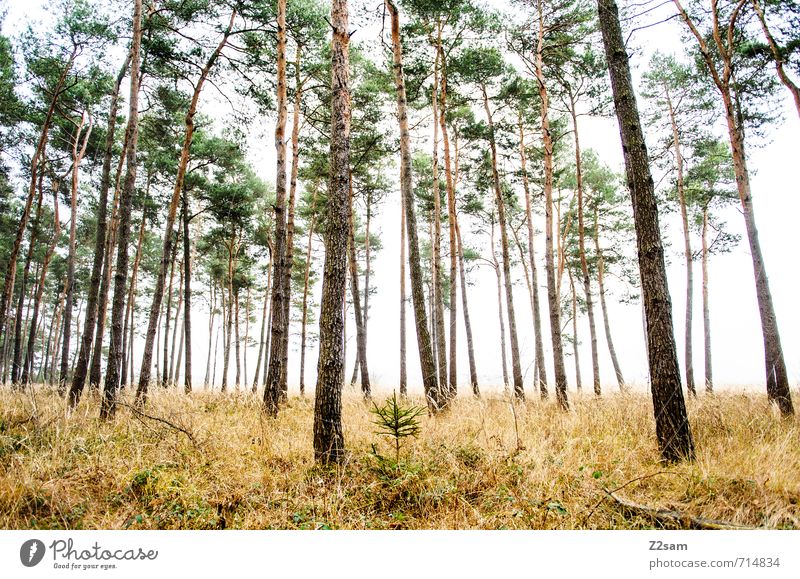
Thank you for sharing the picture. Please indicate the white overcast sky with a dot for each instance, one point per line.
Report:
(736, 334)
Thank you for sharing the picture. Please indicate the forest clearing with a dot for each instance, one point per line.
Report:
(471, 468)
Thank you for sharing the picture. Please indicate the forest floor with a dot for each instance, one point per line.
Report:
(482, 465)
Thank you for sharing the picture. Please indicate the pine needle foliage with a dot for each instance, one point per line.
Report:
(397, 421)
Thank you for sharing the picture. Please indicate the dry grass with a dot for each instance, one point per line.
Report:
(467, 469)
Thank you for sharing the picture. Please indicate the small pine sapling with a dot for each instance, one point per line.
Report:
(397, 421)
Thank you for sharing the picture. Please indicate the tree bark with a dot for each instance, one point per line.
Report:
(429, 377)
(187, 295)
(82, 367)
(437, 308)
(552, 287)
(77, 157)
(473, 372)
(109, 406)
(403, 366)
(361, 338)
(451, 223)
(166, 374)
(541, 374)
(587, 286)
(304, 323)
(672, 425)
(328, 434)
(578, 383)
(278, 309)
(709, 379)
(130, 306)
(496, 265)
(516, 368)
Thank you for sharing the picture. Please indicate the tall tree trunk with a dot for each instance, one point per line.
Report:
(287, 278)
(361, 338)
(166, 374)
(95, 368)
(109, 406)
(451, 222)
(575, 353)
(278, 310)
(552, 288)
(516, 367)
(403, 365)
(226, 355)
(672, 424)
(587, 285)
(473, 372)
(172, 380)
(775, 366)
(437, 307)
(304, 323)
(81, 369)
(687, 246)
(237, 340)
(540, 373)
(500, 310)
(328, 435)
(211, 316)
(432, 394)
(612, 352)
(147, 356)
(77, 157)
(262, 354)
(127, 365)
(187, 295)
(709, 379)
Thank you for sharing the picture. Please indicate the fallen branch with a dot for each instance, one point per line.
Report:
(683, 520)
(139, 414)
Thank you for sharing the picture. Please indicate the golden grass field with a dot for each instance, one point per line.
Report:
(466, 470)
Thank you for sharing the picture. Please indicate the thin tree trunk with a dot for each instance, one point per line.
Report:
(77, 157)
(540, 373)
(237, 340)
(429, 375)
(172, 380)
(575, 353)
(130, 306)
(432, 394)
(95, 369)
(166, 374)
(403, 365)
(108, 407)
(500, 310)
(552, 287)
(451, 222)
(437, 306)
(278, 310)
(587, 286)
(473, 372)
(304, 322)
(328, 434)
(516, 367)
(187, 295)
(602, 292)
(709, 379)
(226, 355)
(361, 338)
(262, 343)
(211, 316)
(672, 425)
(144, 376)
(81, 369)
